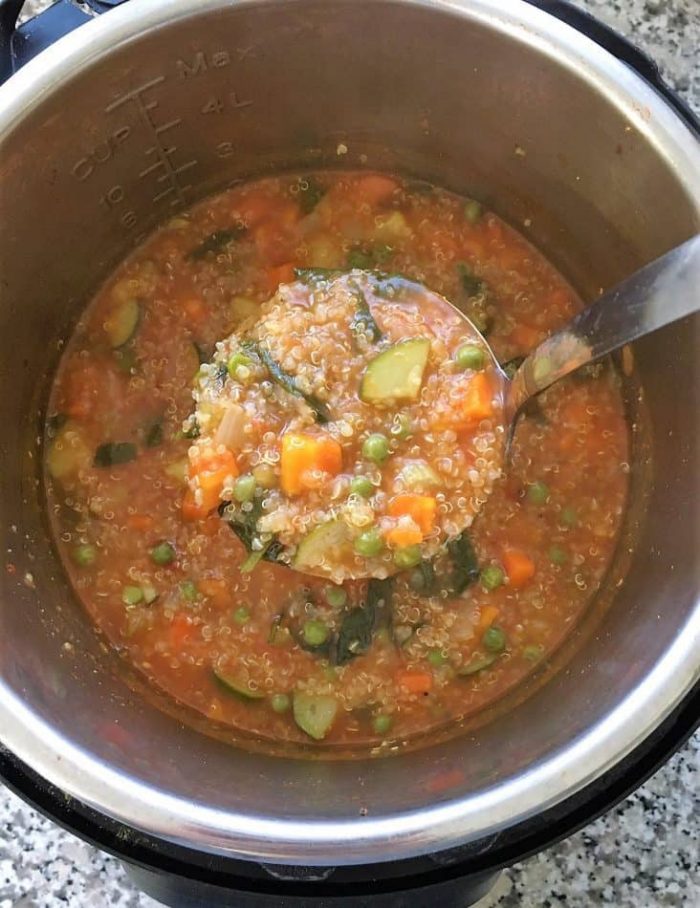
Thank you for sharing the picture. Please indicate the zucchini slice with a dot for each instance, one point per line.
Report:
(122, 322)
(68, 453)
(314, 713)
(236, 686)
(330, 541)
(397, 373)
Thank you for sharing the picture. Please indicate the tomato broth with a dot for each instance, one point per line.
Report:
(250, 642)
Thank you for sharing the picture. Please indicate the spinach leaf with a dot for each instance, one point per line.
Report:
(245, 525)
(153, 435)
(311, 196)
(364, 320)
(465, 567)
(114, 453)
(359, 624)
(471, 284)
(369, 257)
(215, 242)
(287, 381)
(424, 579)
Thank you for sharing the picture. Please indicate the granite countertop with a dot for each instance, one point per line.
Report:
(642, 854)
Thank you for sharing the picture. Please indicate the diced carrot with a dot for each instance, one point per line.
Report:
(476, 404)
(375, 188)
(280, 274)
(525, 337)
(519, 567)
(400, 537)
(416, 682)
(195, 310)
(216, 590)
(303, 455)
(420, 508)
(488, 615)
(140, 522)
(180, 629)
(190, 509)
(208, 472)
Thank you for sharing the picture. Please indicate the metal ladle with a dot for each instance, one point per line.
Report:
(662, 292)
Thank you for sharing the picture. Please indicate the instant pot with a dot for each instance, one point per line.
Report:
(567, 132)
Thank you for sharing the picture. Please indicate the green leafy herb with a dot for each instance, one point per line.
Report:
(471, 284)
(465, 567)
(114, 453)
(369, 257)
(360, 623)
(216, 241)
(245, 525)
(364, 320)
(423, 579)
(287, 381)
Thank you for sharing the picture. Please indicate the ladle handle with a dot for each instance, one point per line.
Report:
(660, 293)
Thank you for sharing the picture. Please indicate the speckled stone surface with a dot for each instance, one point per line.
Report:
(643, 854)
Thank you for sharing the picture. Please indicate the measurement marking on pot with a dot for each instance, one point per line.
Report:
(168, 172)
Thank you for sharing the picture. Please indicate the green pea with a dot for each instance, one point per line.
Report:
(469, 356)
(336, 596)
(244, 488)
(280, 703)
(568, 517)
(163, 553)
(533, 652)
(84, 555)
(492, 577)
(315, 632)
(369, 544)
(381, 724)
(494, 640)
(408, 557)
(235, 362)
(436, 658)
(375, 447)
(241, 615)
(360, 485)
(557, 555)
(473, 211)
(132, 595)
(538, 492)
(188, 590)
(150, 594)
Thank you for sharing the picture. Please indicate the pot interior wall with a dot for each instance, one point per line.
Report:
(212, 98)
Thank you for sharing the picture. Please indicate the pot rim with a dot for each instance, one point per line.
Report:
(393, 837)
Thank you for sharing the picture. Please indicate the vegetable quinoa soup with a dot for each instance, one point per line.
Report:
(275, 461)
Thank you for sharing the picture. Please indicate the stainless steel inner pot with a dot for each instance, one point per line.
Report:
(151, 107)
